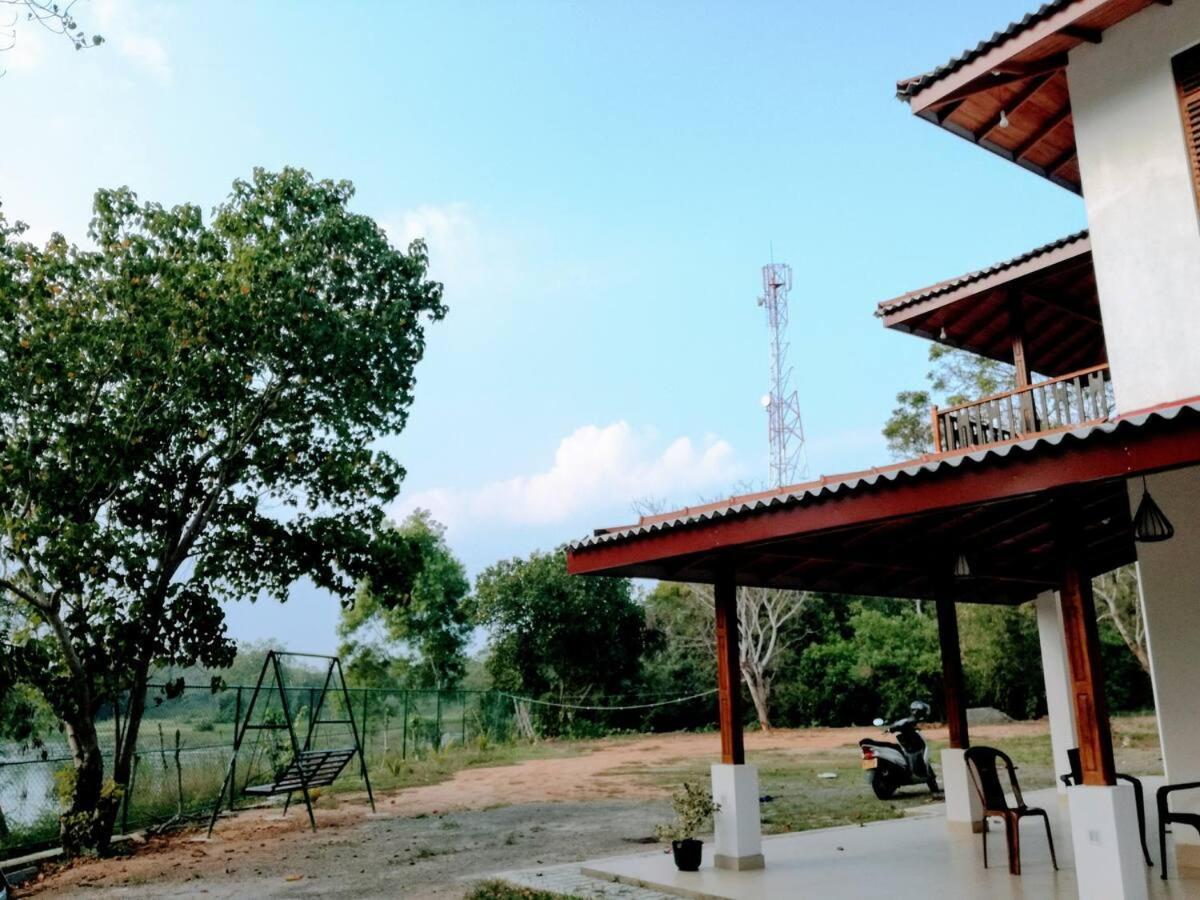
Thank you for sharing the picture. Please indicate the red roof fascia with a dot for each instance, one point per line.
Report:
(1105, 457)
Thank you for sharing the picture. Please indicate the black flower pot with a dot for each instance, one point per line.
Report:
(687, 854)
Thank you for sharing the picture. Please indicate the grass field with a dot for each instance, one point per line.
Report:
(800, 798)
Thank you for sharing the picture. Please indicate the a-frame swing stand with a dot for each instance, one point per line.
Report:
(308, 767)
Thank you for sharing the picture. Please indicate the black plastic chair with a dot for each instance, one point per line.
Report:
(981, 762)
(1075, 776)
(1166, 817)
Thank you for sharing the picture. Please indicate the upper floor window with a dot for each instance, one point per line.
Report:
(1187, 80)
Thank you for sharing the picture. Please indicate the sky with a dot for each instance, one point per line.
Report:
(599, 184)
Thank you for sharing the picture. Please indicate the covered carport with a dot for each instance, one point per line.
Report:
(1037, 518)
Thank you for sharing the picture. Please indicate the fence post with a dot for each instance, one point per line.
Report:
(237, 722)
(462, 701)
(404, 730)
(178, 776)
(366, 693)
(438, 726)
(129, 795)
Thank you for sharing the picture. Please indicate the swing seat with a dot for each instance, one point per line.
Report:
(312, 768)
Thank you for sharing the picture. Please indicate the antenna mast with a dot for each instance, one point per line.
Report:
(788, 461)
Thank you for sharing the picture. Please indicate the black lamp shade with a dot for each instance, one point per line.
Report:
(1150, 524)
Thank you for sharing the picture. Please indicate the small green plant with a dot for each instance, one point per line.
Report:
(394, 763)
(693, 808)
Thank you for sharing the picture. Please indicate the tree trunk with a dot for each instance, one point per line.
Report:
(86, 826)
(760, 694)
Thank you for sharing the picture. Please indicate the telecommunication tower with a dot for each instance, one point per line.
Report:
(786, 432)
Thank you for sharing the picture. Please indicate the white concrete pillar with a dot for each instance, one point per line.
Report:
(1169, 582)
(963, 810)
(737, 824)
(1108, 851)
(1060, 708)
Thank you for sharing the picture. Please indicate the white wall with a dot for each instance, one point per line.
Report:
(1060, 706)
(1141, 206)
(1169, 581)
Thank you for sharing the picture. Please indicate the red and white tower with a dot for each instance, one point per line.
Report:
(786, 432)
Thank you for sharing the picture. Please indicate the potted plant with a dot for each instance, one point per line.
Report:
(693, 808)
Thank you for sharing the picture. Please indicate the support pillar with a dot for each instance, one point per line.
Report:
(1108, 854)
(1060, 709)
(737, 824)
(1169, 583)
(963, 809)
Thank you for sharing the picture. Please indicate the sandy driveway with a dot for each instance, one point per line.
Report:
(543, 810)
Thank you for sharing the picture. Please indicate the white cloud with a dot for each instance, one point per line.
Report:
(23, 42)
(124, 28)
(450, 230)
(146, 52)
(595, 468)
(475, 258)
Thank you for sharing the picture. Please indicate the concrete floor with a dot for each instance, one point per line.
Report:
(916, 858)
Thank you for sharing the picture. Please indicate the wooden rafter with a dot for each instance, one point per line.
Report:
(1022, 149)
(1053, 167)
(1091, 35)
(1013, 104)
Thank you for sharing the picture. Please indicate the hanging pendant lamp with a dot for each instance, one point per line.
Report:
(962, 566)
(1150, 524)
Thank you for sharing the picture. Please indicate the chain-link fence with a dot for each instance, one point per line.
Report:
(186, 738)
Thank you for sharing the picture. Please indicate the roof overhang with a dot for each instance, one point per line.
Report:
(1009, 94)
(1053, 291)
(888, 532)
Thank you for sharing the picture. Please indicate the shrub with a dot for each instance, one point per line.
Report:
(693, 808)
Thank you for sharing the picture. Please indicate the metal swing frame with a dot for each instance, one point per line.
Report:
(307, 768)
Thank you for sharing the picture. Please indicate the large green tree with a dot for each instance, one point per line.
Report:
(190, 414)
(423, 642)
(556, 636)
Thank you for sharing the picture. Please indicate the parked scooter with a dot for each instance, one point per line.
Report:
(891, 765)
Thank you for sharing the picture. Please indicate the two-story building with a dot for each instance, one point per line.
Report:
(1031, 493)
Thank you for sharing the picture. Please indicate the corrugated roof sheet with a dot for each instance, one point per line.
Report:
(908, 87)
(945, 287)
(827, 487)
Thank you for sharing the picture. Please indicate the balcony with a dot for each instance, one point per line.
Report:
(1057, 404)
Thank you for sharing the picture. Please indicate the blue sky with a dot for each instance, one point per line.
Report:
(599, 184)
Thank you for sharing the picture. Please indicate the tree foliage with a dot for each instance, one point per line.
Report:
(191, 411)
(556, 636)
(956, 376)
(421, 643)
(55, 17)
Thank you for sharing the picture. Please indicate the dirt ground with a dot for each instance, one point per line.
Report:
(430, 841)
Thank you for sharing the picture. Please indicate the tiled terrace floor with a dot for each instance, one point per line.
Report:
(917, 858)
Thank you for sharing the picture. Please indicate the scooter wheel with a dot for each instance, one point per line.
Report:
(883, 786)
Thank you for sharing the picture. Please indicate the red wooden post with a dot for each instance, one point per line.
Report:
(952, 673)
(1083, 654)
(729, 670)
(937, 432)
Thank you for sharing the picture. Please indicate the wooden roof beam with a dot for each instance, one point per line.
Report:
(1091, 35)
(1036, 138)
(999, 77)
(1060, 307)
(1014, 103)
(966, 77)
(1061, 160)
(942, 113)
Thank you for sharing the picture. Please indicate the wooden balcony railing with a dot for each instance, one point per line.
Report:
(1080, 398)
